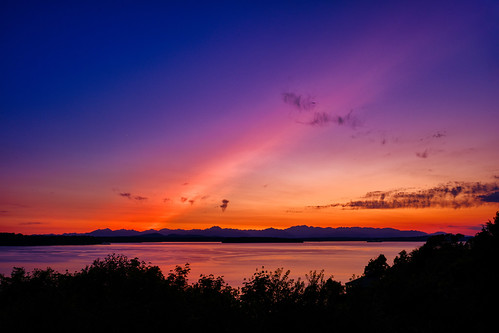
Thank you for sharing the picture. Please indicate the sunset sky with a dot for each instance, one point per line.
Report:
(247, 114)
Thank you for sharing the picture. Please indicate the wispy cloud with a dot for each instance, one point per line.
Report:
(439, 134)
(305, 103)
(32, 223)
(129, 196)
(300, 102)
(430, 140)
(293, 211)
(451, 195)
(423, 154)
(324, 118)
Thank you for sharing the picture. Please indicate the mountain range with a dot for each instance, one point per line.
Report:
(301, 231)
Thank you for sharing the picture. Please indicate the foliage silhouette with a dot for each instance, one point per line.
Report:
(445, 285)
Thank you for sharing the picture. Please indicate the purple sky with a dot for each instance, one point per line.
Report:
(149, 115)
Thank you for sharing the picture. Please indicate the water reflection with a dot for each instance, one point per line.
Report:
(233, 261)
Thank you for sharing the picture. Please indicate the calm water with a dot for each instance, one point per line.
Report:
(233, 261)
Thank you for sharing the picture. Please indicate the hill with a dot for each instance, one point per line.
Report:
(301, 231)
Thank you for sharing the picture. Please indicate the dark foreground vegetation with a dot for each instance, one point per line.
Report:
(446, 285)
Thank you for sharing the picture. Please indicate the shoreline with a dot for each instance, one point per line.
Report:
(11, 239)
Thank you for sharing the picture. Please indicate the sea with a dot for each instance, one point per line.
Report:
(236, 262)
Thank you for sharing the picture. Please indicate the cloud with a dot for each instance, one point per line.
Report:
(324, 118)
(129, 196)
(224, 204)
(432, 137)
(300, 102)
(469, 227)
(423, 154)
(450, 195)
(165, 200)
(31, 223)
(192, 200)
(439, 135)
(492, 197)
(318, 118)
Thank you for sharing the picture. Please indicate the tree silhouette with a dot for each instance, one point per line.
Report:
(376, 268)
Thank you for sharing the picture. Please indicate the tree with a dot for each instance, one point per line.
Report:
(376, 268)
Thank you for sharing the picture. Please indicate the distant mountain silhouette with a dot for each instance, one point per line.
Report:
(300, 231)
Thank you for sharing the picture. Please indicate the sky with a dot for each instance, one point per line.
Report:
(248, 114)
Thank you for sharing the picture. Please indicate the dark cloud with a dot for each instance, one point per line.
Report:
(224, 204)
(194, 199)
(493, 197)
(31, 223)
(129, 196)
(319, 118)
(451, 195)
(165, 200)
(4, 211)
(423, 154)
(348, 119)
(439, 135)
(324, 118)
(302, 103)
(432, 137)
(326, 206)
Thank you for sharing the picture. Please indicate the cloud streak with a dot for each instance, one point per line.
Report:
(452, 195)
(324, 118)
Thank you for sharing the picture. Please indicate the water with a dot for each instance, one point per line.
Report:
(232, 261)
